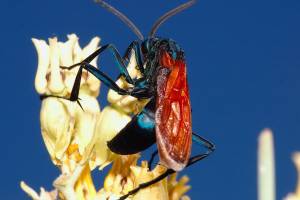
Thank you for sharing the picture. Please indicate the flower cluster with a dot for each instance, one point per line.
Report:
(76, 139)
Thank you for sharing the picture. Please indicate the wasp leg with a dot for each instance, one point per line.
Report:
(119, 60)
(196, 138)
(202, 141)
(97, 73)
(147, 184)
(105, 79)
(142, 93)
(75, 90)
(153, 155)
(135, 45)
(192, 160)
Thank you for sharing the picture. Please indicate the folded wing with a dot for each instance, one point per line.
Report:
(173, 115)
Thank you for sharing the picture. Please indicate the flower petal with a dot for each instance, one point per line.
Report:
(110, 123)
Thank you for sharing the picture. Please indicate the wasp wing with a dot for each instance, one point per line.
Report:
(173, 114)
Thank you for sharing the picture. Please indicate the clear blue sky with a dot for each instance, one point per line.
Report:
(243, 61)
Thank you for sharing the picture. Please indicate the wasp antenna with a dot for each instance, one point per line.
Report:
(169, 14)
(121, 16)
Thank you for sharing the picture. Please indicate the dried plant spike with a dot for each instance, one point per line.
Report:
(266, 167)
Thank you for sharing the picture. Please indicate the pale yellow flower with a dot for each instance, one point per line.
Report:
(110, 122)
(125, 176)
(44, 195)
(177, 189)
(77, 140)
(127, 104)
(66, 129)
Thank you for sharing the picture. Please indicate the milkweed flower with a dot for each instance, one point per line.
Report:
(125, 176)
(66, 129)
(77, 139)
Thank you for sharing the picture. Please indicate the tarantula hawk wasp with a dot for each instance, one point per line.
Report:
(166, 119)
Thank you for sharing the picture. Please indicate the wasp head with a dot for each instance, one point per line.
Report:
(153, 48)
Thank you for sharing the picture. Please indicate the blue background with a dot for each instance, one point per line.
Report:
(243, 61)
